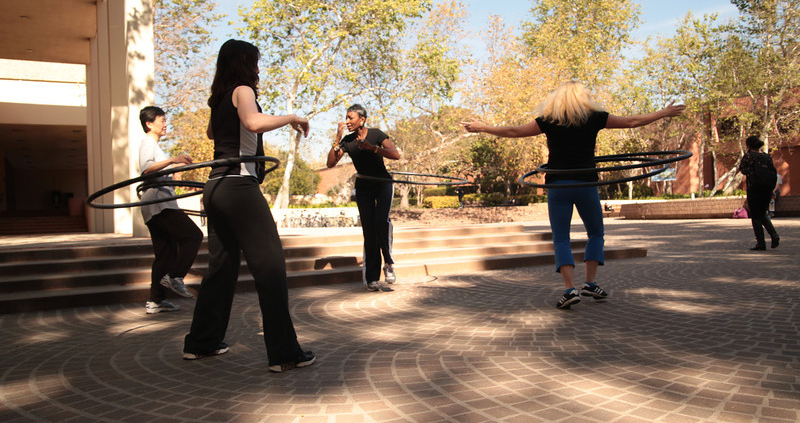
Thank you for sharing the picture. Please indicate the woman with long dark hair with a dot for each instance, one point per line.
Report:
(239, 219)
(570, 119)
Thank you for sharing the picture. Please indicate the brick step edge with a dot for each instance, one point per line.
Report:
(83, 297)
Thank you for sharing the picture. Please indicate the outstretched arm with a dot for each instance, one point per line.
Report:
(527, 130)
(244, 99)
(634, 121)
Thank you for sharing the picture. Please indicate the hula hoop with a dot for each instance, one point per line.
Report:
(645, 162)
(449, 180)
(154, 175)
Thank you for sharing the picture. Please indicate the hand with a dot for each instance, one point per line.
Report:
(301, 125)
(181, 160)
(341, 130)
(364, 145)
(472, 126)
(674, 110)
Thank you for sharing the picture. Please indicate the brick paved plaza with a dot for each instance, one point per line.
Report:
(701, 330)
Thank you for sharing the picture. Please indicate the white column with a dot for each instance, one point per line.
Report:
(119, 83)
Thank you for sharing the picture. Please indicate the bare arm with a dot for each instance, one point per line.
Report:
(527, 130)
(244, 99)
(181, 160)
(635, 121)
(386, 149)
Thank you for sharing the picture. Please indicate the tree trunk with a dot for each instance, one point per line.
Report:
(282, 199)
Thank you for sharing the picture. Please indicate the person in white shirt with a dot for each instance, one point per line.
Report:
(175, 237)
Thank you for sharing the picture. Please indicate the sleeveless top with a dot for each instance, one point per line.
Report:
(232, 139)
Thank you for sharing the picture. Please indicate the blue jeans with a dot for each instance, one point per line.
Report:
(559, 206)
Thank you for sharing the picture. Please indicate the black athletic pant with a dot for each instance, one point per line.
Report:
(374, 202)
(176, 240)
(239, 220)
(758, 203)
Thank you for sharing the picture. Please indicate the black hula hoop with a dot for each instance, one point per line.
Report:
(645, 162)
(154, 175)
(449, 180)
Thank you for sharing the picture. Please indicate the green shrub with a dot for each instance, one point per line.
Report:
(440, 202)
(434, 192)
(525, 199)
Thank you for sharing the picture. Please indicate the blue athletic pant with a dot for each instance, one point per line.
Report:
(560, 202)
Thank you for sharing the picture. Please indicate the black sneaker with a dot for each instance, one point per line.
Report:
(594, 291)
(759, 247)
(775, 242)
(222, 348)
(305, 358)
(568, 299)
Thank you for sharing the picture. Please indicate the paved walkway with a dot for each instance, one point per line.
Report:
(701, 330)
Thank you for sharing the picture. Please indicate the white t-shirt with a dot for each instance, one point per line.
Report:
(149, 153)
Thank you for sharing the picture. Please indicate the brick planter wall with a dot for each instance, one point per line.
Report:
(703, 208)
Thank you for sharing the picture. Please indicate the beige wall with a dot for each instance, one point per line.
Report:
(119, 83)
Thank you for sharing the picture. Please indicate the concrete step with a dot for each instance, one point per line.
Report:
(78, 275)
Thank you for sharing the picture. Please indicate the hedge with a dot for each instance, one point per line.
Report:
(440, 202)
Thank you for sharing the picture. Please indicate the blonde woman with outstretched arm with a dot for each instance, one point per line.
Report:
(570, 119)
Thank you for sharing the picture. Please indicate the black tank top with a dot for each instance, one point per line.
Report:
(232, 139)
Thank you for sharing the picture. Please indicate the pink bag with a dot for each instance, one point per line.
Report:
(740, 213)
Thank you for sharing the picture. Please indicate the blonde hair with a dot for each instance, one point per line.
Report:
(569, 105)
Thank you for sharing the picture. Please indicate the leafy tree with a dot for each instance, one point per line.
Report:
(182, 32)
(319, 54)
(582, 38)
(770, 30)
(428, 143)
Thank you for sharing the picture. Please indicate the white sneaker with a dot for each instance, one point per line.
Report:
(176, 285)
(388, 274)
(377, 286)
(153, 307)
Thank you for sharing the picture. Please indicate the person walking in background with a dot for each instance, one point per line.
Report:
(570, 119)
(175, 237)
(761, 178)
(367, 148)
(239, 218)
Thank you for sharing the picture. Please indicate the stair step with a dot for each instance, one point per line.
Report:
(77, 274)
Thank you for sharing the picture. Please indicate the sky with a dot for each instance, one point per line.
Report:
(658, 18)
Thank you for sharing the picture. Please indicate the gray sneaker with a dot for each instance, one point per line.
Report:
(388, 274)
(153, 307)
(176, 285)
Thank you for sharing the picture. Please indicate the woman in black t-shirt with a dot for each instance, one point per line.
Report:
(367, 148)
(571, 119)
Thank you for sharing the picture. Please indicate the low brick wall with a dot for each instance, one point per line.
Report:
(703, 208)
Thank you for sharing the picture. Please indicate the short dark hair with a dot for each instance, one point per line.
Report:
(358, 109)
(149, 114)
(753, 142)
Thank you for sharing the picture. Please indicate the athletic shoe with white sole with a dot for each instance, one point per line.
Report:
(304, 359)
(176, 285)
(388, 274)
(569, 298)
(594, 291)
(222, 348)
(153, 307)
